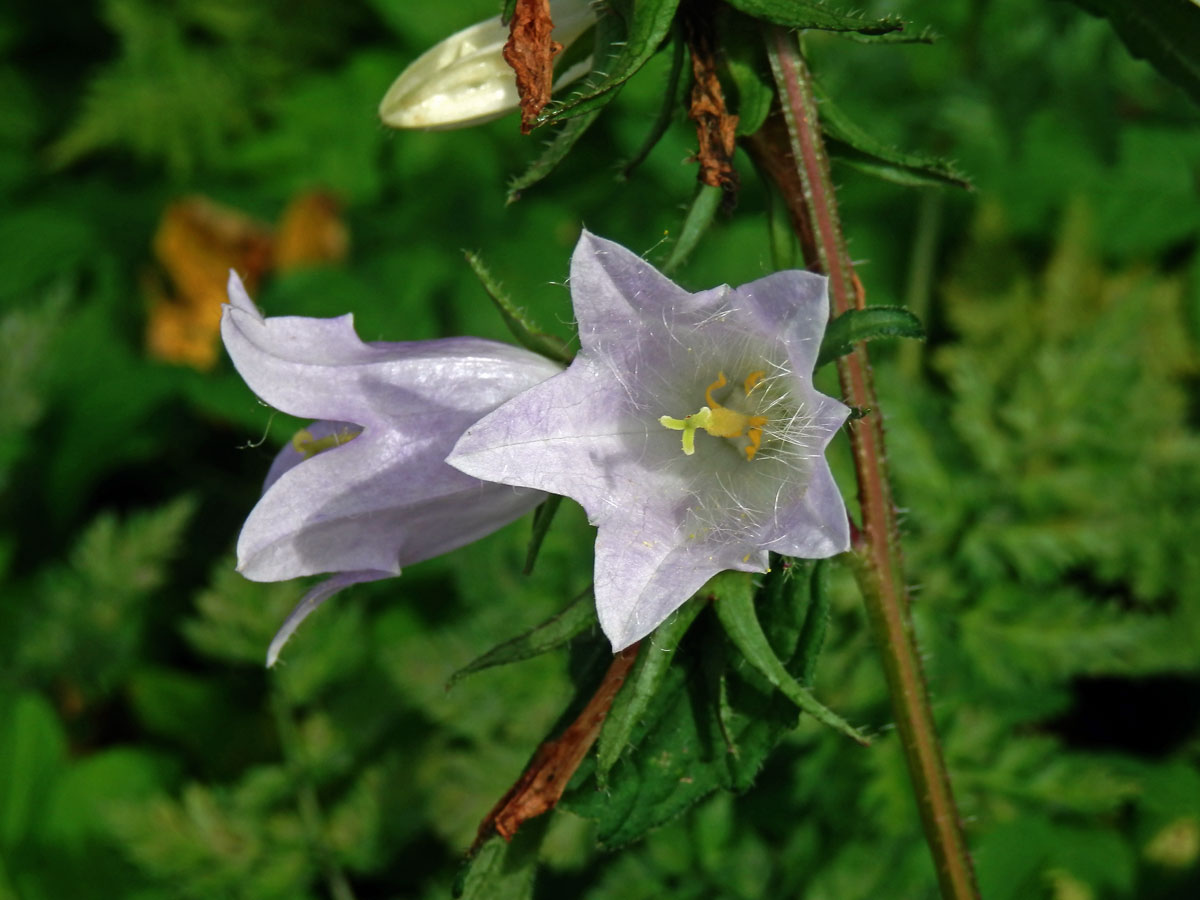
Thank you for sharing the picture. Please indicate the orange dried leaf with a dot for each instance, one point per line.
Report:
(716, 127)
(530, 52)
(196, 245)
(311, 232)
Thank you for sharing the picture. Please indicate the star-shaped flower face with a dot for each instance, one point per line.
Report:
(365, 489)
(687, 427)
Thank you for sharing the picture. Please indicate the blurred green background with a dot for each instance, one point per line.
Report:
(1044, 444)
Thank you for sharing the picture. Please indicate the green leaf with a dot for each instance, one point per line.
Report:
(649, 22)
(32, 751)
(745, 71)
(503, 870)
(925, 36)
(543, 518)
(556, 151)
(854, 146)
(813, 14)
(507, 8)
(524, 329)
(578, 617)
(642, 684)
(734, 605)
(1165, 33)
(711, 724)
(812, 635)
(699, 217)
(672, 99)
(868, 324)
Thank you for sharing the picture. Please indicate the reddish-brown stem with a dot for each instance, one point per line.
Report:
(542, 783)
(808, 191)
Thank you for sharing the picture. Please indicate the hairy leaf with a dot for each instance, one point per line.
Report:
(649, 22)
(868, 324)
(524, 329)
(813, 14)
(857, 147)
(576, 618)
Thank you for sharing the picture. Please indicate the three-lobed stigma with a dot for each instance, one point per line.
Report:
(721, 421)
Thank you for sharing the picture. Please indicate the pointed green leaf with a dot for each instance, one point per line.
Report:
(578, 617)
(925, 36)
(543, 517)
(710, 725)
(556, 151)
(642, 684)
(813, 14)
(524, 329)
(734, 606)
(695, 224)
(855, 146)
(503, 870)
(868, 324)
(812, 635)
(744, 58)
(1165, 33)
(507, 8)
(648, 24)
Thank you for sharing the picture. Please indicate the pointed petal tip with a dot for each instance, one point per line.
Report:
(238, 297)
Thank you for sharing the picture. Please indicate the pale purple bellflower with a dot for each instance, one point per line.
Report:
(687, 427)
(366, 490)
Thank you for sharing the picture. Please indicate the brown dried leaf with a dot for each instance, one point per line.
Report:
(530, 52)
(311, 232)
(540, 787)
(716, 127)
(196, 244)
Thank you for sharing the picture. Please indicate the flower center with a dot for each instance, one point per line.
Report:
(721, 421)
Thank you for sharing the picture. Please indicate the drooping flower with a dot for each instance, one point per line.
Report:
(687, 427)
(365, 490)
(464, 80)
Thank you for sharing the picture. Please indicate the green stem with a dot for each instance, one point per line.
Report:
(307, 801)
(879, 567)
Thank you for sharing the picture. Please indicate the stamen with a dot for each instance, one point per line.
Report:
(715, 386)
(720, 421)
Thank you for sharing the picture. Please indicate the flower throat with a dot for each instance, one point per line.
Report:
(721, 421)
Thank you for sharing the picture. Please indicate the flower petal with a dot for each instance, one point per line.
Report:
(379, 502)
(817, 526)
(793, 305)
(310, 602)
(320, 369)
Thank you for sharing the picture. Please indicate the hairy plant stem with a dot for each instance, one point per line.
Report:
(796, 160)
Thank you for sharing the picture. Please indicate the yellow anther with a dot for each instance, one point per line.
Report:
(754, 434)
(752, 381)
(308, 446)
(715, 386)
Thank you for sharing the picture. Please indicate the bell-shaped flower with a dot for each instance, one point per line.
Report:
(687, 427)
(464, 80)
(365, 490)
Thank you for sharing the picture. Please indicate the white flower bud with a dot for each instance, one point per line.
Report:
(464, 80)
